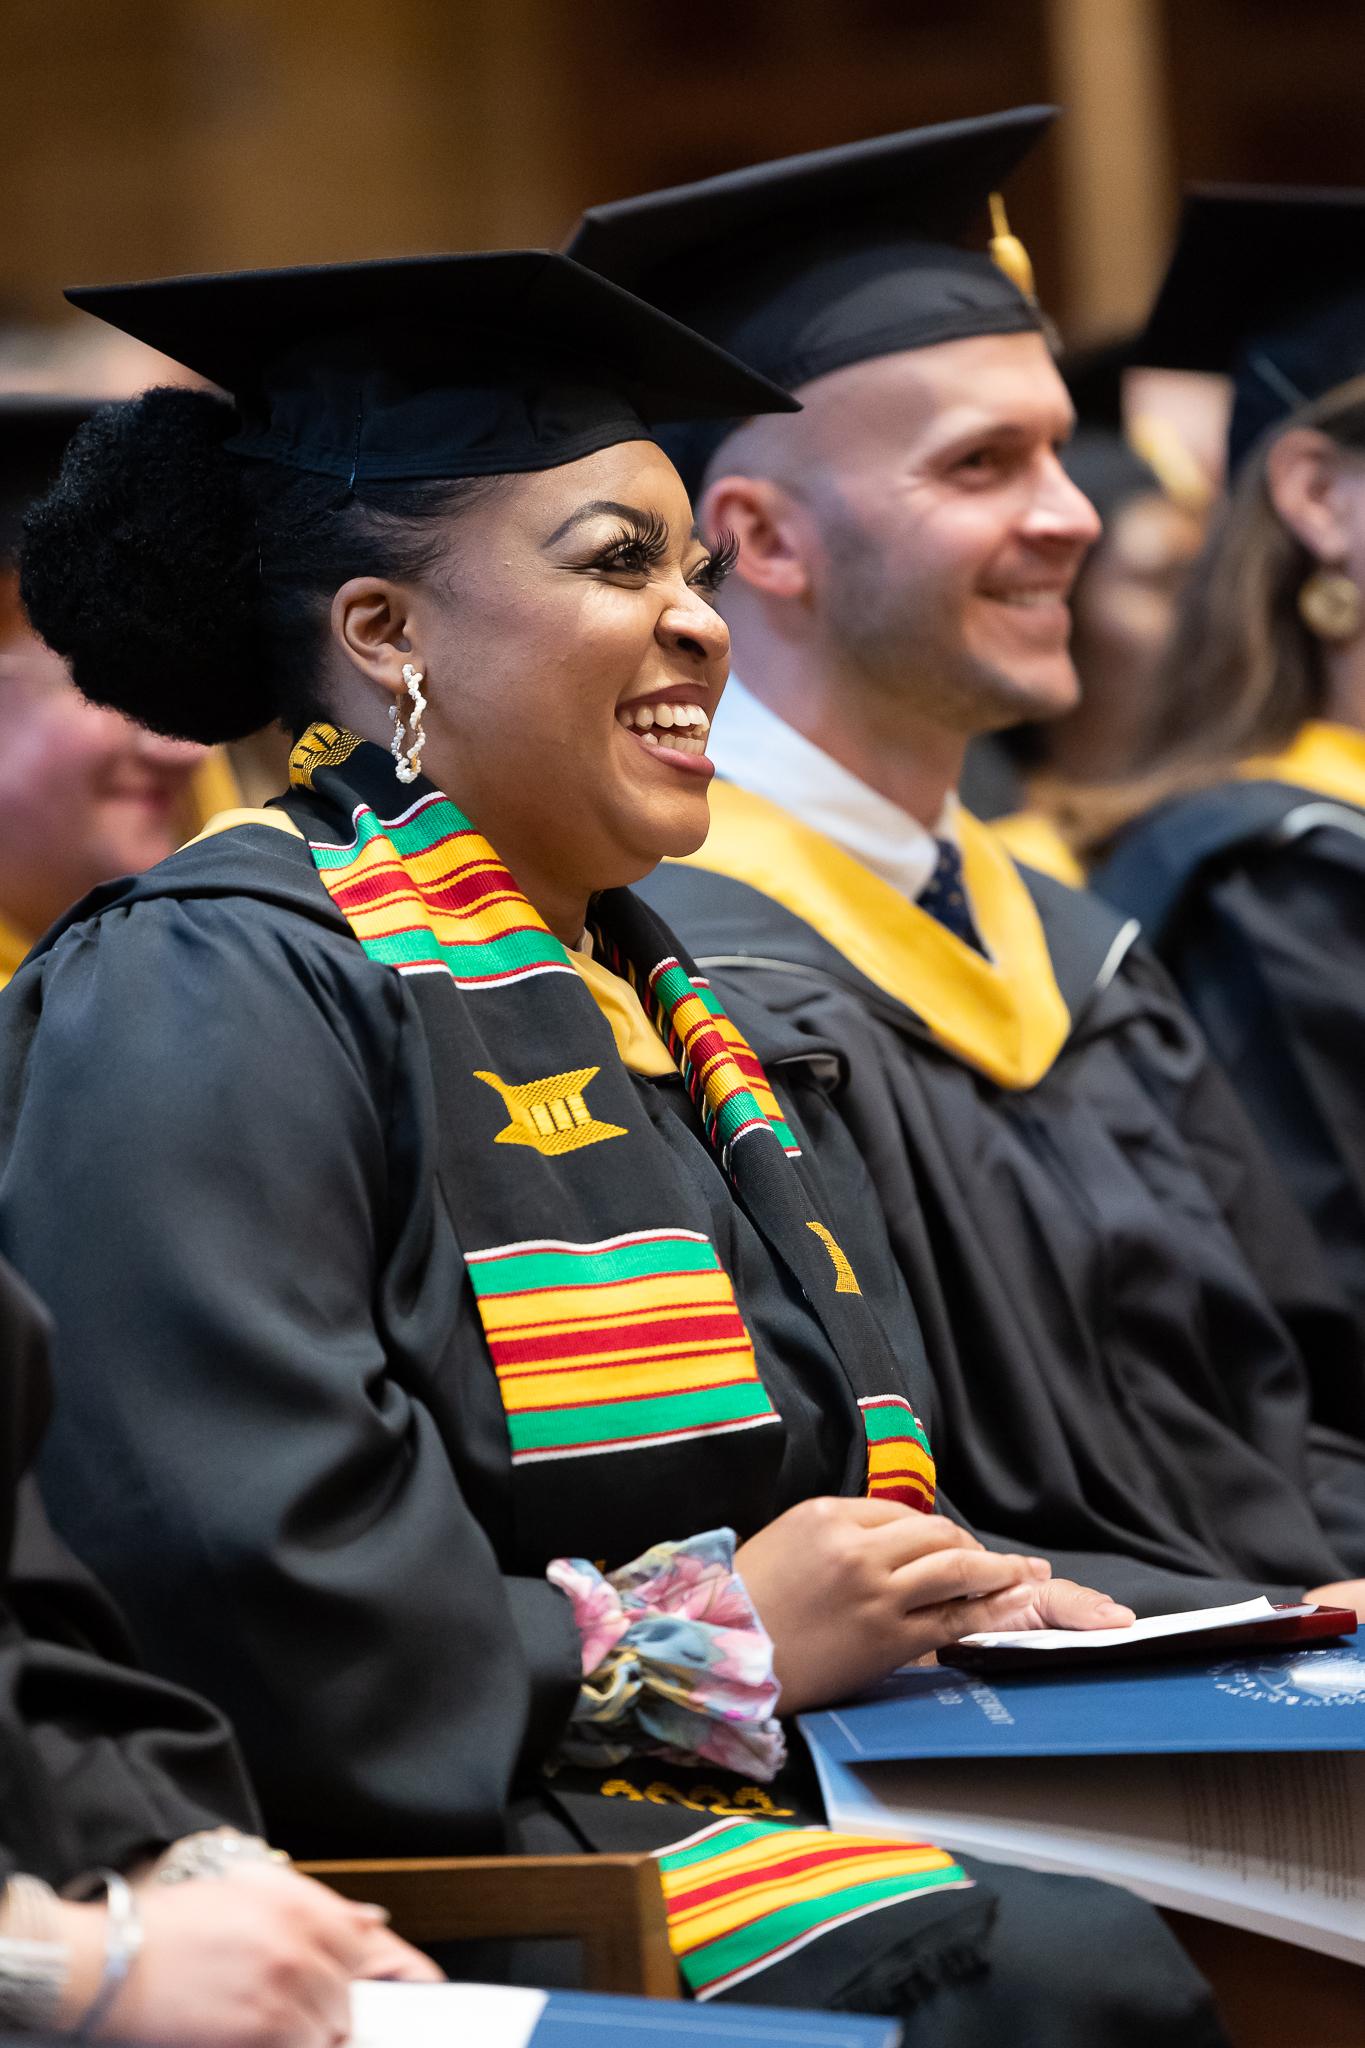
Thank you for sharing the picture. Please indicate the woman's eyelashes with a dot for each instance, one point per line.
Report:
(717, 565)
(636, 550)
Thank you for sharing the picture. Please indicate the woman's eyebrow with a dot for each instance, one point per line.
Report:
(595, 508)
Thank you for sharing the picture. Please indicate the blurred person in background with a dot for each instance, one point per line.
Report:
(1239, 842)
(1127, 1319)
(1122, 612)
(85, 795)
(1148, 454)
(187, 1927)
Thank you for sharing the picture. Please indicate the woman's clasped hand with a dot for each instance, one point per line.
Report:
(848, 1590)
(261, 1959)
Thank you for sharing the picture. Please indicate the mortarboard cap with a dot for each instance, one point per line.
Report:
(1107, 470)
(34, 430)
(1266, 284)
(434, 366)
(810, 263)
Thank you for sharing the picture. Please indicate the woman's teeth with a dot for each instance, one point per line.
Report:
(685, 724)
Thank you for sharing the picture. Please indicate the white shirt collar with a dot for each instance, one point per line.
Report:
(753, 747)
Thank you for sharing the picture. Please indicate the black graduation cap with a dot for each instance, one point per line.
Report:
(1094, 374)
(1102, 465)
(1267, 285)
(434, 366)
(809, 263)
(34, 430)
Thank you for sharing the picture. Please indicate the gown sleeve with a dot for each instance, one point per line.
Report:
(1271, 957)
(216, 1181)
(855, 1203)
(1232, 1132)
(866, 1166)
(99, 1763)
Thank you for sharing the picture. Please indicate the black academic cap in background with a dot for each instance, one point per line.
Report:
(810, 263)
(434, 366)
(1107, 470)
(34, 430)
(1266, 284)
(1094, 374)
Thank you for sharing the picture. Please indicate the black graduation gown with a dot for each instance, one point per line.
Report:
(1253, 895)
(1124, 1314)
(100, 1764)
(281, 1439)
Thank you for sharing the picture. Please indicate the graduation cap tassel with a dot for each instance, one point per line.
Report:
(1008, 252)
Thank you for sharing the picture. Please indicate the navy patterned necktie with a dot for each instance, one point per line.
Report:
(945, 896)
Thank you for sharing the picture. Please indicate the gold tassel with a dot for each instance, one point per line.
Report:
(1008, 252)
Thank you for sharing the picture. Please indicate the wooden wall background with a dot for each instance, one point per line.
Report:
(147, 136)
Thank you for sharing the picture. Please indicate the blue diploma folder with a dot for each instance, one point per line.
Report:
(1279, 1700)
(577, 2020)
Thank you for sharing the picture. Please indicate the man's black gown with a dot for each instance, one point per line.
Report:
(1253, 896)
(280, 1437)
(100, 1764)
(1134, 1346)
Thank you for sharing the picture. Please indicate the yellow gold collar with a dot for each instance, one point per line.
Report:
(13, 947)
(1004, 1016)
(1328, 759)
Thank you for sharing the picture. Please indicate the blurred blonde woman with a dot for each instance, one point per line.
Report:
(1241, 844)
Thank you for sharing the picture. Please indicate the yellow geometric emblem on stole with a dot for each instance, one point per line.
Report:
(551, 1115)
(845, 1279)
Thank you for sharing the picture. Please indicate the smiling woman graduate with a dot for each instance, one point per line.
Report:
(441, 1278)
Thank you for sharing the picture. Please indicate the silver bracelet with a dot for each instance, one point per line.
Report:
(216, 1852)
(122, 1945)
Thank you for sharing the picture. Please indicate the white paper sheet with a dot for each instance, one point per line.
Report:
(1153, 1630)
(1274, 1843)
(443, 2015)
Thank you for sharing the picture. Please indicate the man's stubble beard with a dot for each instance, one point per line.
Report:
(906, 648)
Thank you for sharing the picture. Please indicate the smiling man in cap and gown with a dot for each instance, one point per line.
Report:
(1127, 1320)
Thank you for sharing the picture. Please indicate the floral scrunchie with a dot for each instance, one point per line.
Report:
(676, 1662)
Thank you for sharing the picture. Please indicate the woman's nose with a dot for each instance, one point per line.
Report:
(695, 628)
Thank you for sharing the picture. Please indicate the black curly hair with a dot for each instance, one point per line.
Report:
(190, 588)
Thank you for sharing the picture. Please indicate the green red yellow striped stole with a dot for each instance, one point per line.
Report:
(725, 1078)
(900, 1464)
(741, 1895)
(633, 1341)
(616, 1346)
(424, 892)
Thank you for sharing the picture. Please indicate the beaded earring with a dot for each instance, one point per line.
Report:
(407, 761)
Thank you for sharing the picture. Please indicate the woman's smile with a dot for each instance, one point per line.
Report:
(672, 725)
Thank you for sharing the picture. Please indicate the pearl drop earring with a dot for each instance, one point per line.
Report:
(408, 766)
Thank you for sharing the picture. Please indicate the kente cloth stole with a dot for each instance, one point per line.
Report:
(611, 1322)
(742, 1895)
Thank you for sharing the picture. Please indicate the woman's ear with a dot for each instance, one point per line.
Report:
(765, 521)
(1302, 473)
(370, 622)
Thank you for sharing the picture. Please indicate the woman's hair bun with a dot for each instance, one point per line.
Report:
(139, 566)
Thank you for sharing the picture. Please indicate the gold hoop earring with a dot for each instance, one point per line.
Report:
(407, 763)
(1330, 604)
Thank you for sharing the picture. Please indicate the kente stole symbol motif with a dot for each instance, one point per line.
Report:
(551, 1115)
